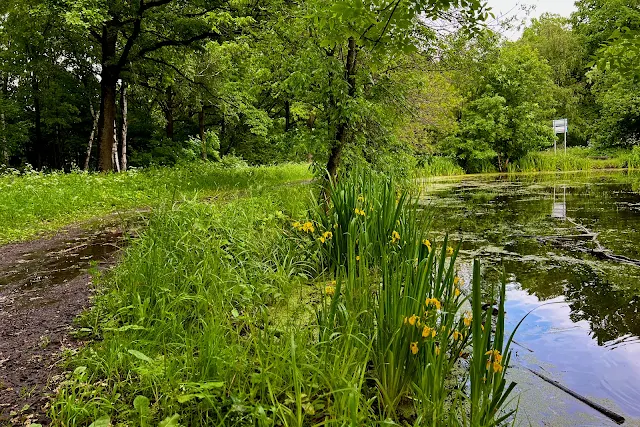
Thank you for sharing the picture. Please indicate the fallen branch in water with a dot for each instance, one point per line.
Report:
(599, 251)
(604, 411)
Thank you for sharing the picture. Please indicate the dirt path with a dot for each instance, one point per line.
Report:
(44, 285)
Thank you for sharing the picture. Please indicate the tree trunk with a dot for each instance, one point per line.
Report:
(201, 128)
(125, 125)
(114, 149)
(3, 120)
(109, 79)
(93, 133)
(342, 127)
(5, 149)
(38, 120)
(287, 116)
(168, 113)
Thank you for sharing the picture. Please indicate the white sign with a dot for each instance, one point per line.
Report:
(560, 126)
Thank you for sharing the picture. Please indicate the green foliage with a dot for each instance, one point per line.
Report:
(576, 159)
(34, 202)
(211, 320)
(508, 110)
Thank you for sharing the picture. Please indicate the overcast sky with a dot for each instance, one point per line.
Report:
(514, 7)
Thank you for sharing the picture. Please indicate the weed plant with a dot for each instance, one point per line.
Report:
(274, 310)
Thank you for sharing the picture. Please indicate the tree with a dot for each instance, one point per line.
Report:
(508, 110)
(552, 37)
(130, 31)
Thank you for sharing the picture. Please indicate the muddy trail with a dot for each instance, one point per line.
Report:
(44, 285)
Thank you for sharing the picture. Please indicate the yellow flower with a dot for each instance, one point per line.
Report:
(360, 212)
(361, 198)
(395, 237)
(449, 251)
(296, 224)
(433, 301)
(427, 243)
(457, 336)
(497, 367)
(457, 280)
(426, 331)
(413, 319)
(322, 239)
(437, 350)
(308, 227)
(494, 355)
(330, 290)
(467, 319)
(327, 235)
(357, 257)
(456, 292)
(414, 347)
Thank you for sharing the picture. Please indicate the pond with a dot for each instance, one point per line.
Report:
(569, 247)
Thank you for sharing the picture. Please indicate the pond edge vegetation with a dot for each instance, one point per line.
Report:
(277, 309)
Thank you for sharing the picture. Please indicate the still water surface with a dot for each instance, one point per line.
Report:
(585, 329)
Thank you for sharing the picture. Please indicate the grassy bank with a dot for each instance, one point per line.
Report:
(267, 310)
(34, 202)
(578, 159)
(575, 159)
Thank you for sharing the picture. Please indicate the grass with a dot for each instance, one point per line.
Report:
(577, 159)
(440, 166)
(34, 202)
(274, 310)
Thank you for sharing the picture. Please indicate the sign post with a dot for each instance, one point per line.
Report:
(561, 126)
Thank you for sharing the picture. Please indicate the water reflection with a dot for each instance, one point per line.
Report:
(539, 229)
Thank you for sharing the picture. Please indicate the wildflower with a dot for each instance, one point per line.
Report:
(357, 257)
(361, 198)
(426, 331)
(327, 235)
(308, 227)
(434, 302)
(457, 336)
(467, 319)
(427, 243)
(494, 355)
(360, 212)
(414, 347)
(494, 361)
(449, 251)
(330, 290)
(437, 350)
(395, 237)
(456, 281)
(322, 239)
(413, 319)
(296, 224)
(456, 292)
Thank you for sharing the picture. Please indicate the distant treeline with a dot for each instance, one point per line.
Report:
(105, 85)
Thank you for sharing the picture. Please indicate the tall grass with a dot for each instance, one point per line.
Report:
(272, 310)
(34, 202)
(439, 166)
(576, 159)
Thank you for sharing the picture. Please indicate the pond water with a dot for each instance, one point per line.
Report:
(569, 245)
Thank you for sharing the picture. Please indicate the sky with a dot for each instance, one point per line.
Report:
(514, 7)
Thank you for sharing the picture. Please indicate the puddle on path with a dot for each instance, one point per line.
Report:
(585, 333)
(28, 279)
(44, 285)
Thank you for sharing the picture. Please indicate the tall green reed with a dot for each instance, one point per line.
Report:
(397, 290)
